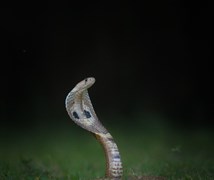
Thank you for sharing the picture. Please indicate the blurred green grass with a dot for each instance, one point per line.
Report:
(69, 152)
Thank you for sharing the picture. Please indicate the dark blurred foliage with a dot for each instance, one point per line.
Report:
(150, 58)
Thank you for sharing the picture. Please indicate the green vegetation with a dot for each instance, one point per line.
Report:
(71, 153)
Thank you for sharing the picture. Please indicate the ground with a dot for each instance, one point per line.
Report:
(71, 153)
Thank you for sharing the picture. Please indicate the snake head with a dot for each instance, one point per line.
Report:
(84, 85)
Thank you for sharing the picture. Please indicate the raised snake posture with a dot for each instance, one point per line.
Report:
(81, 111)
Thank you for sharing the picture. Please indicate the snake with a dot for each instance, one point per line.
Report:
(81, 111)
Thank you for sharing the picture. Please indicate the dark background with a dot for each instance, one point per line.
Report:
(153, 58)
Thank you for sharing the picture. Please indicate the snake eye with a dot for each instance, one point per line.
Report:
(86, 79)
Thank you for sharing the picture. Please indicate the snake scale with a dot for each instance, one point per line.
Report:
(81, 111)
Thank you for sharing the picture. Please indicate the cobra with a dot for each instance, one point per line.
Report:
(81, 111)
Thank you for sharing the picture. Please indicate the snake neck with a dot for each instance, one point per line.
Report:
(113, 161)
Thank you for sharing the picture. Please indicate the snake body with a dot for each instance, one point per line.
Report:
(81, 111)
